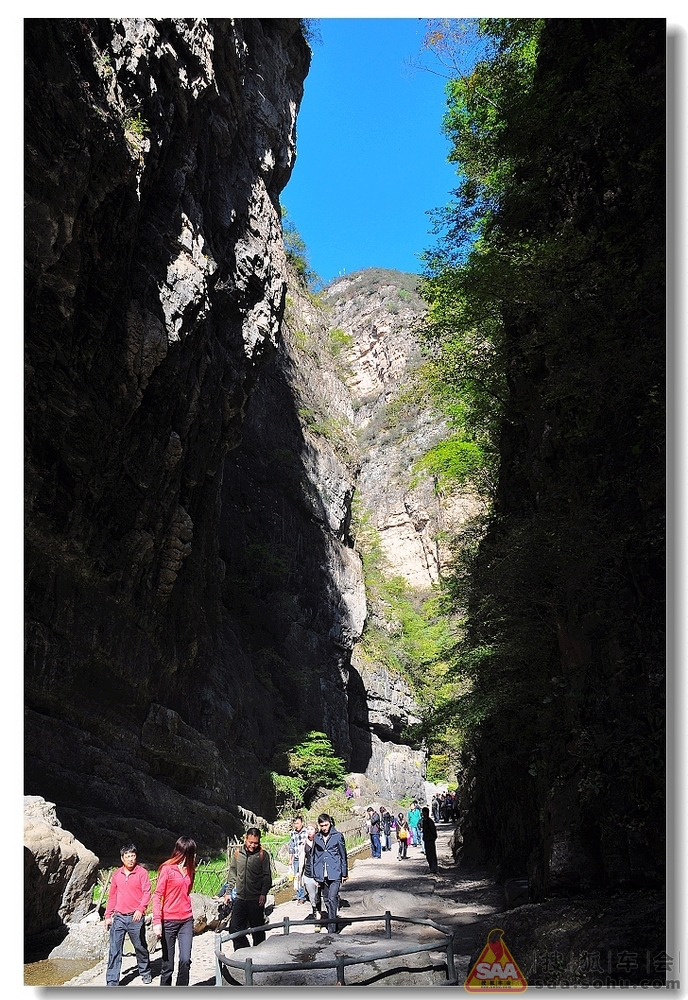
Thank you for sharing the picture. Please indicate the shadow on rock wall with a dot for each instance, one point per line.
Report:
(146, 319)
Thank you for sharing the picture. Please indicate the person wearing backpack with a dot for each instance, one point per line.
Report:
(250, 874)
(402, 836)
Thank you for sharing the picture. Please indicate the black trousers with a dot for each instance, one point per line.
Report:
(247, 913)
(330, 898)
(431, 854)
(180, 932)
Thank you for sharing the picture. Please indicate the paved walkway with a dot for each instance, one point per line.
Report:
(405, 887)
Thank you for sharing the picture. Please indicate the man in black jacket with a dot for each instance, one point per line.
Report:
(330, 866)
(429, 838)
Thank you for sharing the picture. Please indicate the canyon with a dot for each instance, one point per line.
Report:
(213, 451)
(194, 595)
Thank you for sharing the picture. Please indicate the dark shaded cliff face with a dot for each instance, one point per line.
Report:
(155, 155)
(567, 783)
(293, 583)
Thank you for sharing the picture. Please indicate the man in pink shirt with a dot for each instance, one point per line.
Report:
(128, 900)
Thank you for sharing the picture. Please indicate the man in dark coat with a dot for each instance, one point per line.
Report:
(330, 866)
(429, 838)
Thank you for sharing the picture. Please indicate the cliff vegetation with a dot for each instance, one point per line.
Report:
(545, 343)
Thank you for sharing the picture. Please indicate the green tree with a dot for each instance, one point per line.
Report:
(297, 253)
(315, 762)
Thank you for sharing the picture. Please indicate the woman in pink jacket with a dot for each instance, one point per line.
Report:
(172, 913)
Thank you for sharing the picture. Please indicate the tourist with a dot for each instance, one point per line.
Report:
(374, 831)
(414, 824)
(330, 866)
(172, 913)
(306, 872)
(250, 874)
(127, 902)
(403, 835)
(298, 835)
(386, 829)
(429, 839)
(435, 808)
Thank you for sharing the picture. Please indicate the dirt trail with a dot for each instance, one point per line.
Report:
(405, 887)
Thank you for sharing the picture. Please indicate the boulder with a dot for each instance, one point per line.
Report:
(59, 872)
(84, 942)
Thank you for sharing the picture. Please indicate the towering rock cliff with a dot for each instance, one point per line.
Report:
(376, 314)
(380, 310)
(155, 154)
(193, 592)
(294, 579)
(565, 772)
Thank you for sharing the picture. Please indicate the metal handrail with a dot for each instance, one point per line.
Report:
(250, 967)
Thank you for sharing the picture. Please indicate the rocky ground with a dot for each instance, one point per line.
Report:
(406, 888)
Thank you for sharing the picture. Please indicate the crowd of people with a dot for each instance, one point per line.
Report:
(417, 829)
(445, 807)
(318, 863)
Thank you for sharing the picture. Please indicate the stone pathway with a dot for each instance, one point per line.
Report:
(405, 887)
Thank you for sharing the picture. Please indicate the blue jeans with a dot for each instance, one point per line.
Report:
(376, 850)
(123, 924)
(299, 890)
(176, 931)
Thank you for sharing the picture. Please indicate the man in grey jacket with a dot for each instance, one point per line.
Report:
(330, 867)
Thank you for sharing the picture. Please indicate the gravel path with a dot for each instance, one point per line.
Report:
(405, 887)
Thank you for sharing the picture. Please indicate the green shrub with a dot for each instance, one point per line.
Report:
(438, 767)
(135, 126)
(339, 340)
(310, 764)
(297, 254)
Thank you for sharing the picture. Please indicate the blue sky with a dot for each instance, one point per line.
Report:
(371, 156)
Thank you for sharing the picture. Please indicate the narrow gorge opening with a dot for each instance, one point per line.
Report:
(389, 531)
